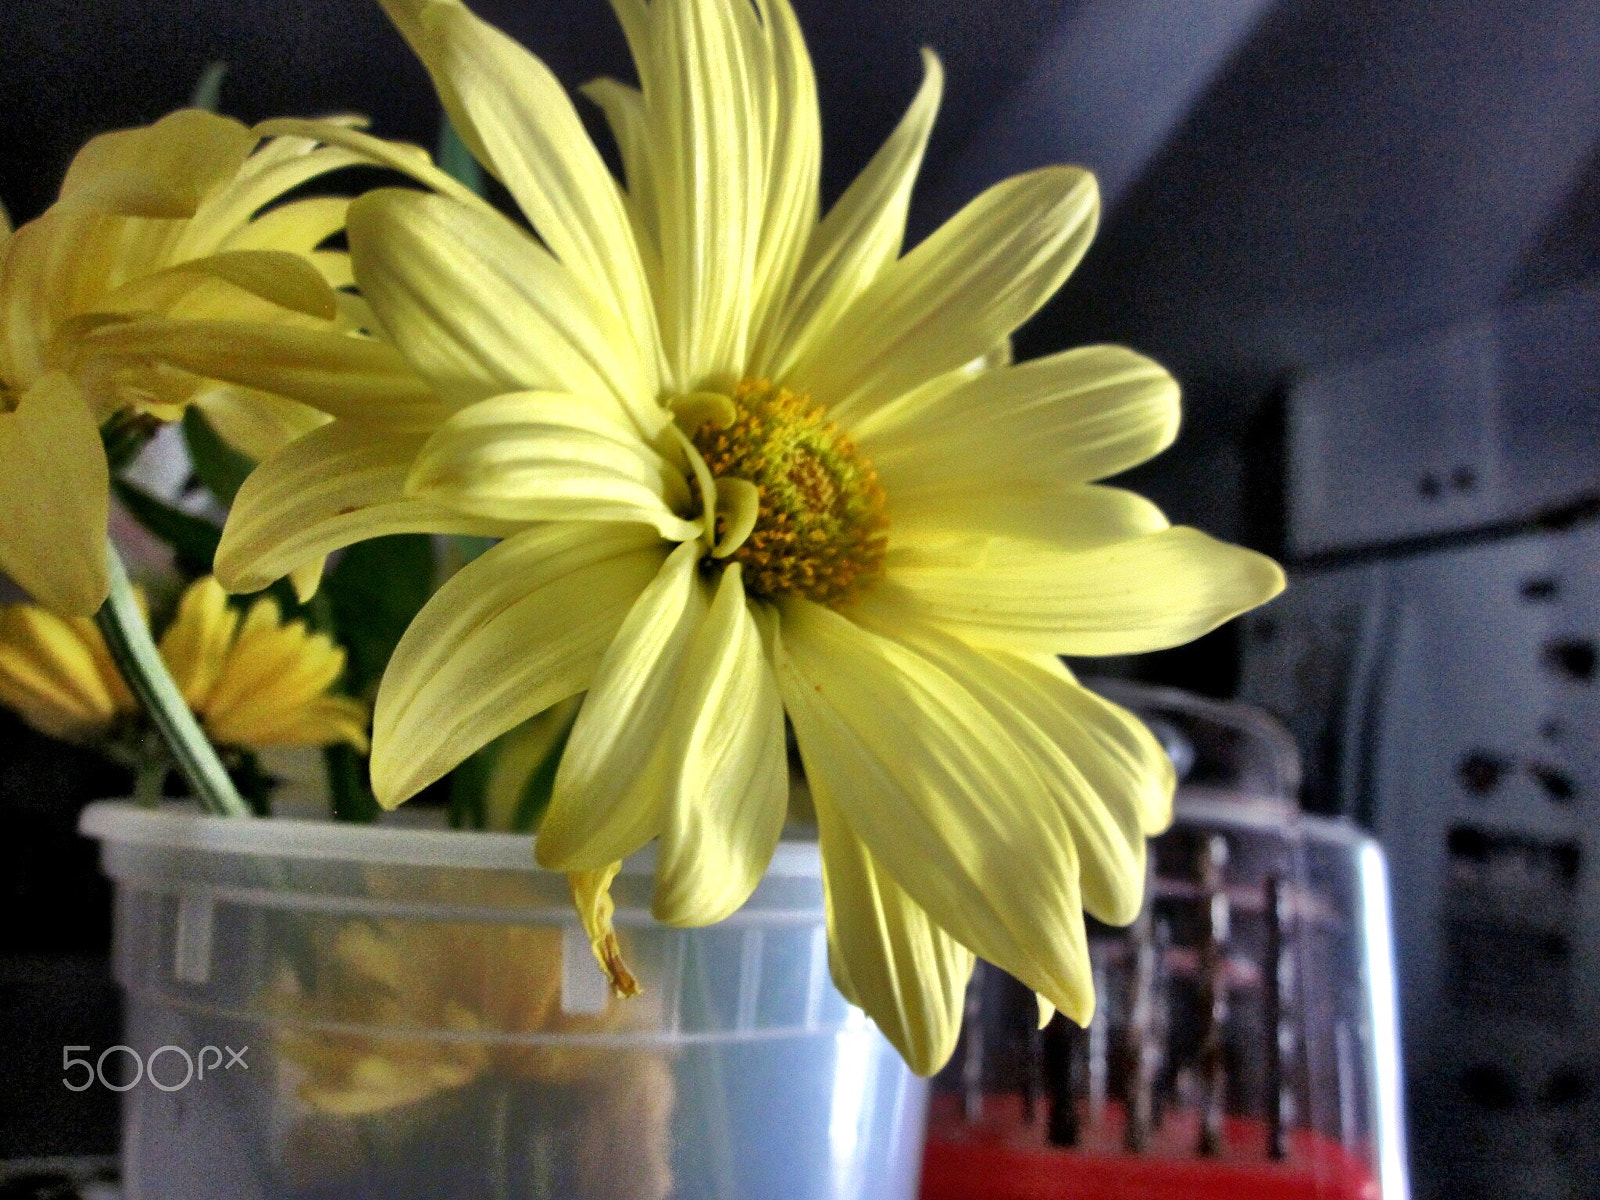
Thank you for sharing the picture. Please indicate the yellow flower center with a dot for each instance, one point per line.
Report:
(822, 519)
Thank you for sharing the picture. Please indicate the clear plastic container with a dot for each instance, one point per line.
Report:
(419, 1015)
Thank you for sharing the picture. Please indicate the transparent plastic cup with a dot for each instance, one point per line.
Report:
(398, 1012)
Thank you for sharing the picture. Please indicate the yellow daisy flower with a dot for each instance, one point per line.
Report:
(751, 464)
(254, 680)
(156, 228)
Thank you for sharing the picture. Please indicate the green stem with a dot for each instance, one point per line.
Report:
(141, 665)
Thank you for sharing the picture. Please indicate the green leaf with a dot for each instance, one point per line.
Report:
(352, 798)
(193, 539)
(372, 594)
(456, 161)
(536, 792)
(469, 785)
(208, 88)
(218, 466)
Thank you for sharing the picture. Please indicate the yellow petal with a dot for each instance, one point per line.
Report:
(1116, 751)
(515, 321)
(861, 234)
(363, 147)
(607, 802)
(729, 779)
(793, 137)
(339, 484)
(591, 896)
(705, 128)
(54, 497)
(257, 424)
(160, 170)
(625, 114)
(1101, 789)
(948, 302)
(941, 794)
(195, 646)
(546, 456)
(888, 957)
(56, 673)
(342, 376)
(1063, 515)
(509, 635)
(1073, 417)
(282, 278)
(1125, 597)
(516, 117)
(300, 226)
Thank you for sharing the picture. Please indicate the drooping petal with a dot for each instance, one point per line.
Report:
(887, 956)
(54, 498)
(339, 484)
(341, 375)
(546, 456)
(954, 297)
(1073, 417)
(1114, 749)
(1126, 597)
(518, 120)
(606, 802)
(160, 170)
(509, 635)
(729, 775)
(941, 795)
(860, 236)
(515, 320)
(1102, 786)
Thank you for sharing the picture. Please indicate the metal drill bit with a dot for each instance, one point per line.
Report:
(1144, 1043)
(972, 1061)
(1213, 992)
(1060, 1041)
(1097, 1052)
(1272, 1015)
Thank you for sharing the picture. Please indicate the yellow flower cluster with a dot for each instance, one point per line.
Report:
(254, 680)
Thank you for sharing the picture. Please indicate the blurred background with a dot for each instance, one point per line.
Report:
(1363, 235)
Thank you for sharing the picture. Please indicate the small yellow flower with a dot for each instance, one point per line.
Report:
(752, 464)
(254, 681)
(157, 239)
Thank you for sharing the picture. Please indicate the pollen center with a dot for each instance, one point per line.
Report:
(822, 520)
